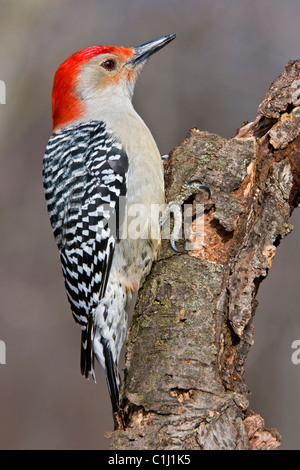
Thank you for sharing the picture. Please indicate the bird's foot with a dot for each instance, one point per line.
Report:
(189, 189)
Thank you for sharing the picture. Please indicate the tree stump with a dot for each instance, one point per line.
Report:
(192, 327)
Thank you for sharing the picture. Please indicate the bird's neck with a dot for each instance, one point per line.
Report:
(110, 108)
(117, 112)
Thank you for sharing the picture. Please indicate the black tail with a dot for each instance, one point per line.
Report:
(112, 375)
(87, 362)
(87, 350)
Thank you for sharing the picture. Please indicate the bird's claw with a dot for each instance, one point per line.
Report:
(174, 247)
(200, 186)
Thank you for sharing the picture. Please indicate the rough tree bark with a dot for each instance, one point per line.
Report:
(192, 327)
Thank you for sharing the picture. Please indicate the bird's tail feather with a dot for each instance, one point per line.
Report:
(112, 375)
(106, 360)
(87, 350)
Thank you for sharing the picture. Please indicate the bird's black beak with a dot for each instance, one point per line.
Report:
(144, 51)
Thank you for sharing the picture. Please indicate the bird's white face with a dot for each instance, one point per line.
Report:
(107, 73)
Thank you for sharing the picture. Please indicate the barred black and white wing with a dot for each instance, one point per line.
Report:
(85, 173)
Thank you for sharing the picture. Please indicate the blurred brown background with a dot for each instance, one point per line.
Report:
(213, 76)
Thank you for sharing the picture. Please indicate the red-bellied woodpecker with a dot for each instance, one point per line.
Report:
(99, 154)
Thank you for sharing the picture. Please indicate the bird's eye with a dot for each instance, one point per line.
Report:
(109, 64)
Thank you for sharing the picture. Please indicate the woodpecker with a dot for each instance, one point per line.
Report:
(100, 153)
